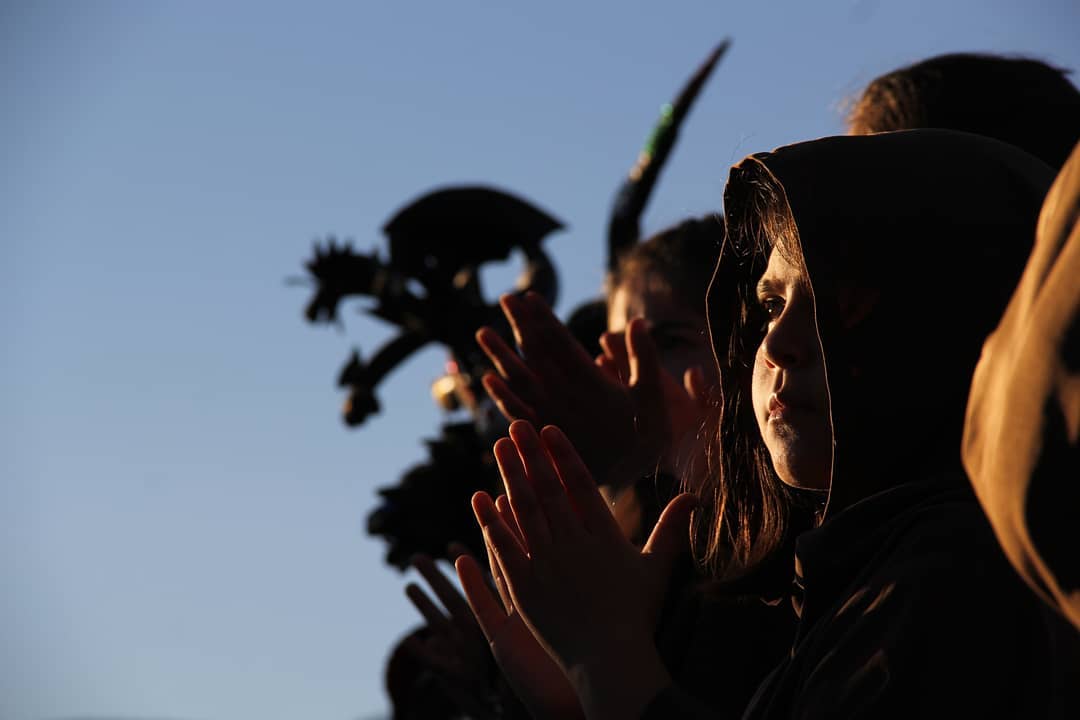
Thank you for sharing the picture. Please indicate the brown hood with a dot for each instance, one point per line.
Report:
(1021, 435)
(926, 231)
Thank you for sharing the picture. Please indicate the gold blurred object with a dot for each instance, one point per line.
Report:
(444, 391)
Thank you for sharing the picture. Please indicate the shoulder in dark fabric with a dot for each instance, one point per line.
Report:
(1022, 434)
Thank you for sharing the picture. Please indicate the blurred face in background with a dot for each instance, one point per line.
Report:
(678, 331)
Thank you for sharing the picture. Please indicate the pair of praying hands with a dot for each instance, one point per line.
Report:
(571, 621)
(572, 617)
(572, 629)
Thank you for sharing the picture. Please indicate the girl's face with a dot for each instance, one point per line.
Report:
(679, 333)
(789, 388)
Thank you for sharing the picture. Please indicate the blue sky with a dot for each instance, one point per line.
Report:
(181, 511)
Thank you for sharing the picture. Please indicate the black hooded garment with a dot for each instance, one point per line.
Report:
(908, 608)
(1022, 435)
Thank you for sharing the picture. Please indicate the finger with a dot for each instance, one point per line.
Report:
(498, 579)
(510, 405)
(512, 568)
(614, 345)
(529, 514)
(533, 336)
(579, 484)
(512, 558)
(486, 513)
(444, 590)
(514, 309)
(646, 382)
(506, 361)
(562, 522)
(502, 504)
(462, 612)
(671, 536)
(608, 366)
(551, 340)
(431, 612)
(487, 610)
(694, 383)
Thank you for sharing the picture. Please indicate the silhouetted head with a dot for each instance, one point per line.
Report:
(414, 690)
(1021, 101)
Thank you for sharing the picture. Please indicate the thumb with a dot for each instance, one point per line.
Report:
(671, 537)
(646, 383)
(694, 383)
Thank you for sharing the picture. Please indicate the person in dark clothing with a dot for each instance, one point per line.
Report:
(659, 285)
(1022, 101)
(1020, 437)
(857, 281)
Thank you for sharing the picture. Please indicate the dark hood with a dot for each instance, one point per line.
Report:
(1023, 417)
(926, 231)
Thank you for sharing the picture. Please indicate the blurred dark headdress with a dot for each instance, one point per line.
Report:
(589, 320)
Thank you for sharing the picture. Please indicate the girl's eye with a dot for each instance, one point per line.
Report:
(773, 306)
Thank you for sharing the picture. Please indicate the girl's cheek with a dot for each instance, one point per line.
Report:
(759, 388)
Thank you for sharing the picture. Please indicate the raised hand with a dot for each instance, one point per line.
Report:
(588, 595)
(619, 425)
(530, 671)
(685, 404)
(455, 651)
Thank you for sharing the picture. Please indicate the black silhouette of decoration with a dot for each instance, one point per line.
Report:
(430, 288)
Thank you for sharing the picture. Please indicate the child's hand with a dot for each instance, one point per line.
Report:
(456, 651)
(534, 676)
(587, 594)
(686, 404)
(619, 426)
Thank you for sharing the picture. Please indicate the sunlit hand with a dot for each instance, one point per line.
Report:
(533, 675)
(588, 595)
(620, 428)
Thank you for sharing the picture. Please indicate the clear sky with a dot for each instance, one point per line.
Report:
(181, 510)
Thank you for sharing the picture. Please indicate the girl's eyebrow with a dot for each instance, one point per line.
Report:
(767, 287)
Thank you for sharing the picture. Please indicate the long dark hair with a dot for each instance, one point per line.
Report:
(746, 508)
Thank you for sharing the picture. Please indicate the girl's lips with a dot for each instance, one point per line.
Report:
(781, 406)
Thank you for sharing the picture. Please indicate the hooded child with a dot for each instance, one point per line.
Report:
(659, 284)
(861, 275)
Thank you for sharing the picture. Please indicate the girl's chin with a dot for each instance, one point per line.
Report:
(803, 475)
(818, 486)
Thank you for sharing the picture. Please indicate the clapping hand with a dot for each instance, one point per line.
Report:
(531, 672)
(589, 597)
(615, 413)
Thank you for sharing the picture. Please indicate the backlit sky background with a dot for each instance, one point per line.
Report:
(181, 509)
